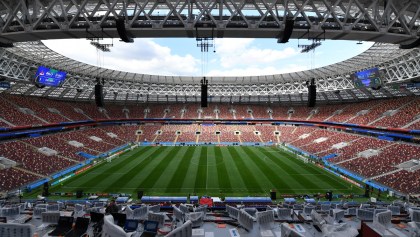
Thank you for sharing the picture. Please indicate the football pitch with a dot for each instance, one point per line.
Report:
(206, 170)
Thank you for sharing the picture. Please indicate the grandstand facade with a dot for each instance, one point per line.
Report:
(371, 133)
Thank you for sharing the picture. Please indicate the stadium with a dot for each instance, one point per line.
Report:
(327, 151)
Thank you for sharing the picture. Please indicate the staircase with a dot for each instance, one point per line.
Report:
(29, 172)
(381, 175)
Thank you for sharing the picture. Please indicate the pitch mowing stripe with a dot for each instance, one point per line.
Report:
(320, 179)
(212, 178)
(192, 169)
(222, 174)
(272, 161)
(327, 177)
(149, 182)
(323, 179)
(168, 171)
(260, 174)
(332, 178)
(144, 171)
(236, 181)
(249, 179)
(91, 178)
(123, 181)
(201, 176)
(177, 179)
(269, 171)
(291, 169)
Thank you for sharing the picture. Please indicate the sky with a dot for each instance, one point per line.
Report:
(229, 57)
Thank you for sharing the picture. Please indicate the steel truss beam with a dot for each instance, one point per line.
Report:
(391, 21)
(17, 65)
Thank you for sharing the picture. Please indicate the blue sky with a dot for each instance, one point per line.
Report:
(233, 57)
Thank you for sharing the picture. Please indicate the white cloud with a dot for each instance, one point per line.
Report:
(233, 57)
(242, 53)
(144, 56)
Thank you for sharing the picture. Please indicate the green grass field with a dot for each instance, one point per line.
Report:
(211, 170)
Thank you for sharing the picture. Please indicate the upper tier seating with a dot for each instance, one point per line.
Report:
(12, 114)
(135, 111)
(66, 108)
(378, 109)
(407, 110)
(115, 111)
(91, 110)
(40, 110)
(157, 111)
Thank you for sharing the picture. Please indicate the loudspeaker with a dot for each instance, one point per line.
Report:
(288, 30)
(311, 95)
(203, 96)
(79, 193)
(273, 195)
(45, 191)
(122, 32)
(99, 97)
(139, 194)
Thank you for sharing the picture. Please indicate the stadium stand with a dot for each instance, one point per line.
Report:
(63, 148)
(79, 136)
(91, 111)
(386, 161)
(39, 110)
(30, 159)
(378, 109)
(225, 111)
(357, 146)
(404, 181)
(116, 111)
(136, 111)
(13, 115)
(65, 108)
(125, 133)
(208, 134)
(12, 178)
(156, 111)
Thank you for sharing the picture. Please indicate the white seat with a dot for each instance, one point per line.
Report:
(183, 231)
(50, 217)
(246, 220)
(140, 213)
(178, 214)
(16, 230)
(196, 218)
(184, 208)
(129, 212)
(159, 217)
(265, 219)
(155, 208)
(110, 229)
(284, 213)
(308, 209)
(38, 212)
(232, 211)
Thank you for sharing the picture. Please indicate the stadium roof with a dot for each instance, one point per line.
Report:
(353, 20)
